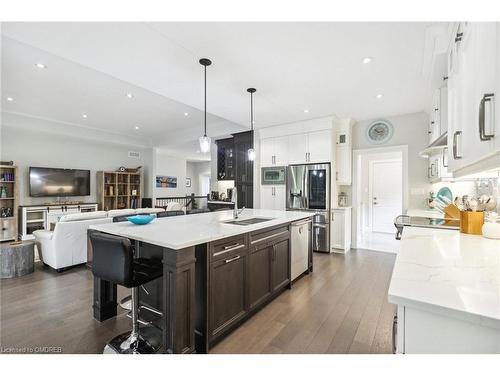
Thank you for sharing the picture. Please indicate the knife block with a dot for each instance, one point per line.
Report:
(471, 222)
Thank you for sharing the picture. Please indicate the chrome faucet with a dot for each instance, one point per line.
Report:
(234, 199)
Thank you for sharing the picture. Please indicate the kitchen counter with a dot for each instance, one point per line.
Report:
(448, 273)
(215, 274)
(178, 232)
(222, 202)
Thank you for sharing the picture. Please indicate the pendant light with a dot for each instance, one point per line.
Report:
(204, 140)
(251, 151)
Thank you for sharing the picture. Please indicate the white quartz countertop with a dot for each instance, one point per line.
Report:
(221, 202)
(177, 232)
(450, 273)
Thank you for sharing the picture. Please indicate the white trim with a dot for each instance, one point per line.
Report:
(356, 188)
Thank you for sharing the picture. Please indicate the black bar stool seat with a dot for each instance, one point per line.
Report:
(114, 262)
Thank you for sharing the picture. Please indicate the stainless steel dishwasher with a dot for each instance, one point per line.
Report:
(300, 237)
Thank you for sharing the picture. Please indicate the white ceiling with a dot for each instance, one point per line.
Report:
(294, 66)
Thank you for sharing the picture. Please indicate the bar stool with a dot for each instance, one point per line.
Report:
(114, 261)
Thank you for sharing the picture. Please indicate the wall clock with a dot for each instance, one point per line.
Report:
(379, 131)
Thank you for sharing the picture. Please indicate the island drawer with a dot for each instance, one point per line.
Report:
(226, 247)
(269, 235)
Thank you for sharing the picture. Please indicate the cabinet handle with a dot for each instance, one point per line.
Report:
(336, 176)
(455, 147)
(482, 132)
(394, 333)
(459, 36)
(332, 216)
(269, 237)
(228, 248)
(445, 150)
(232, 259)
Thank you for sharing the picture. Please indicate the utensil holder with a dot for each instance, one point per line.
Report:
(471, 222)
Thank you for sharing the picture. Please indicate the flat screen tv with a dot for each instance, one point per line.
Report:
(58, 182)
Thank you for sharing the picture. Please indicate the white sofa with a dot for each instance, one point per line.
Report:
(66, 245)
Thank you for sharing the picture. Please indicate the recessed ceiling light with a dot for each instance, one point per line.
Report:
(137, 127)
(379, 96)
(41, 66)
(9, 99)
(84, 115)
(367, 60)
(186, 114)
(306, 111)
(130, 95)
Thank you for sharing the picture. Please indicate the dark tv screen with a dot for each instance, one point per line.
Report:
(57, 182)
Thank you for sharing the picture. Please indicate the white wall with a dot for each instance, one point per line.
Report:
(42, 149)
(168, 165)
(196, 171)
(411, 130)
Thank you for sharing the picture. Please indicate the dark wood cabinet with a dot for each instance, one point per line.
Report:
(243, 273)
(259, 275)
(233, 164)
(227, 292)
(244, 168)
(225, 159)
(280, 269)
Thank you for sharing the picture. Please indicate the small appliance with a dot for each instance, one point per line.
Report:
(273, 176)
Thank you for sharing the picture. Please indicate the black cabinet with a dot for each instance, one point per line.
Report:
(269, 265)
(236, 277)
(281, 264)
(244, 168)
(225, 159)
(233, 164)
(259, 274)
(227, 292)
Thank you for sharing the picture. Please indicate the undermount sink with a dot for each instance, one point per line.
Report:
(253, 220)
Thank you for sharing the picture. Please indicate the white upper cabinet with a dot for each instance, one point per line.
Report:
(274, 151)
(313, 147)
(297, 149)
(473, 90)
(320, 146)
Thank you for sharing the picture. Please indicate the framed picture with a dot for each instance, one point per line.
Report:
(188, 181)
(166, 182)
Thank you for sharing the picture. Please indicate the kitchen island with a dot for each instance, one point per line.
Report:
(217, 272)
(447, 288)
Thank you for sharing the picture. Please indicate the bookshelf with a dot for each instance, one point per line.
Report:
(9, 193)
(118, 190)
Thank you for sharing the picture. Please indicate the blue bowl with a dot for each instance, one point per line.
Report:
(140, 219)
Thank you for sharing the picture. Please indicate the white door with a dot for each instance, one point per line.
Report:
(266, 152)
(297, 148)
(320, 146)
(385, 194)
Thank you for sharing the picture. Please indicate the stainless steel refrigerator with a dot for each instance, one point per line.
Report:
(308, 189)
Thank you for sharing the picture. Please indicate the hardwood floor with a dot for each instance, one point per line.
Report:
(341, 308)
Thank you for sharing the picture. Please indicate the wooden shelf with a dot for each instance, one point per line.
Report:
(121, 182)
(11, 188)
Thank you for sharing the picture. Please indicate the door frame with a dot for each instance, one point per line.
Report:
(370, 185)
(356, 188)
